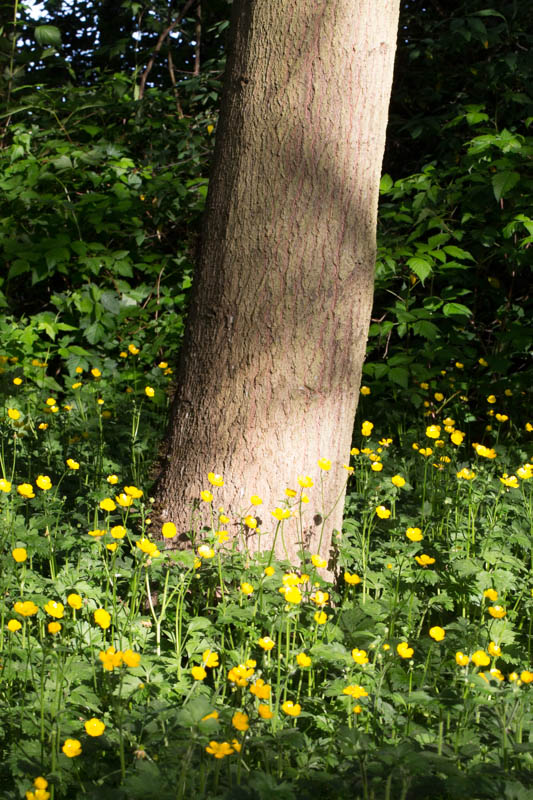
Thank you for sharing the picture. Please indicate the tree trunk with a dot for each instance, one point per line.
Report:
(270, 371)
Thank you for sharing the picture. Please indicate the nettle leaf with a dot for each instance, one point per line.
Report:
(421, 267)
(48, 36)
(503, 182)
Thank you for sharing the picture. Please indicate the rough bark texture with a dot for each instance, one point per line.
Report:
(277, 329)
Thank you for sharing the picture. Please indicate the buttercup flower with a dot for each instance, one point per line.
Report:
(26, 490)
(19, 554)
(424, 560)
(494, 649)
(352, 579)
(240, 721)
(264, 711)
(198, 673)
(355, 691)
(13, 413)
(462, 659)
(437, 633)
(250, 522)
(118, 531)
(5, 486)
(382, 512)
(148, 547)
(107, 504)
(318, 561)
(149, 391)
(303, 660)
(366, 428)
(281, 513)
(204, 551)
(247, 588)
(480, 658)
(206, 496)
(261, 689)
(414, 534)
(403, 650)
(102, 618)
(124, 500)
(71, 748)
(498, 612)
(433, 431)
(365, 390)
(26, 608)
(240, 675)
(266, 643)
(54, 627)
(291, 709)
(398, 481)
(219, 749)
(320, 617)
(293, 595)
(210, 658)
(131, 659)
(14, 625)
(360, 656)
(74, 600)
(324, 463)
(269, 571)
(55, 609)
(110, 658)
(71, 464)
(215, 480)
(491, 594)
(112, 479)
(94, 727)
(305, 481)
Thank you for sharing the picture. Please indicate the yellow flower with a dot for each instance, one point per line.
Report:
(491, 594)
(320, 617)
(223, 519)
(222, 536)
(305, 481)
(266, 643)
(320, 598)
(168, 530)
(19, 554)
(219, 749)
(486, 452)
(291, 709)
(26, 608)
(424, 560)
(215, 480)
(5, 486)
(366, 428)
(324, 463)
(360, 656)
(77, 385)
(118, 531)
(240, 721)
(17, 381)
(51, 402)
(414, 534)
(457, 437)
(497, 612)
(250, 522)
(382, 512)
(459, 365)
(290, 579)
(425, 451)
(466, 474)
(255, 500)
(43, 482)
(303, 660)
(110, 658)
(14, 625)
(240, 675)
(376, 466)
(269, 571)
(112, 479)
(433, 431)
(212, 715)
(424, 385)
(480, 658)
(439, 397)
(264, 711)
(247, 588)
(398, 481)
(124, 500)
(293, 595)
(491, 398)
(352, 578)
(355, 691)
(494, 649)
(365, 390)
(71, 748)
(54, 627)
(210, 658)
(529, 427)
(55, 609)
(198, 673)
(526, 676)
(149, 391)
(462, 659)
(133, 491)
(502, 417)
(204, 551)
(403, 650)
(107, 504)
(318, 562)
(71, 464)
(131, 659)
(26, 490)
(146, 546)
(437, 633)
(74, 600)
(94, 727)
(281, 513)
(102, 618)
(163, 365)
(510, 480)
(261, 689)
(206, 496)
(12, 413)
(133, 349)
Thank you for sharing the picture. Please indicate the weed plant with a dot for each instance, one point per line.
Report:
(130, 669)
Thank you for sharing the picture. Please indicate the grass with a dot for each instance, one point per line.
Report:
(131, 670)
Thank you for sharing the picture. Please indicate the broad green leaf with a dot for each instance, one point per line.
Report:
(503, 182)
(453, 309)
(48, 35)
(421, 267)
(385, 185)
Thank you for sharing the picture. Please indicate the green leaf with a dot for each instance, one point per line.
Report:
(503, 182)
(457, 252)
(48, 35)
(420, 267)
(385, 185)
(456, 309)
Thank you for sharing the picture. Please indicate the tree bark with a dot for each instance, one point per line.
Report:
(271, 365)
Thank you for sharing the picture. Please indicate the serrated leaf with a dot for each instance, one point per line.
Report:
(456, 309)
(421, 267)
(503, 182)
